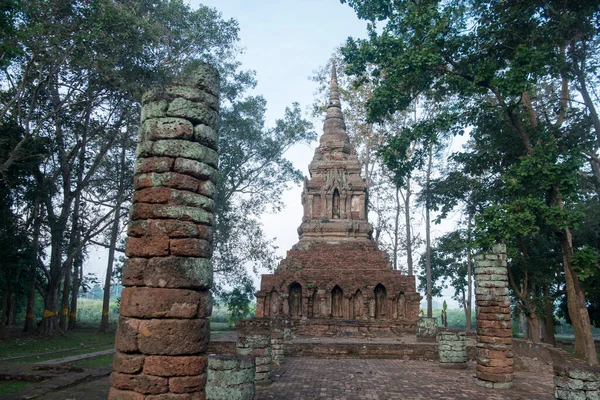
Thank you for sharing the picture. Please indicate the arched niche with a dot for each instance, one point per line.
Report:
(315, 303)
(337, 302)
(380, 294)
(358, 304)
(273, 302)
(335, 205)
(295, 299)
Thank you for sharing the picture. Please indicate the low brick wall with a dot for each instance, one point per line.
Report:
(452, 348)
(254, 339)
(574, 382)
(230, 377)
(278, 328)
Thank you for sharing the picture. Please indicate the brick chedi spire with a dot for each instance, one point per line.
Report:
(334, 197)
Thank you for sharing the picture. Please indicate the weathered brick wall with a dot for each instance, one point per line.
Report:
(574, 382)
(278, 340)
(494, 335)
(452, 345)
(163, 329)
(230, 377)
(254, 339)
(356, 268)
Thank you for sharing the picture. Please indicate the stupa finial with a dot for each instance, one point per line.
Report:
(334, 92)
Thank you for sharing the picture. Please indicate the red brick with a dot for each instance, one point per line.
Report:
(153, 195)
(170, 272)
(494, 369)
(144, 302)
(190, 248)
(495, 377)
(133, 269)
(500, 333)
(168, 179)
(127, 363)
(175, 365)
(167, 128)
(173, 336)
(140, 383)
(177, 396)
(116, 394)
(126, 335)
(154, 164)
(147, 246)
(205, 232)
(494, 339)
(494, 324)
(187, 384)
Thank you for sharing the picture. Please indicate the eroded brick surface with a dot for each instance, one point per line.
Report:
(163, 330)
(495, 357)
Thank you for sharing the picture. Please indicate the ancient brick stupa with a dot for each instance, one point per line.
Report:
(335, 281)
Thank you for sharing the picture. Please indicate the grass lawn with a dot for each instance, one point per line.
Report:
(72, 343)
(95, 362)
(13, 386)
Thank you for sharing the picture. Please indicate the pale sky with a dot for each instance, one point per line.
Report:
(284, 41)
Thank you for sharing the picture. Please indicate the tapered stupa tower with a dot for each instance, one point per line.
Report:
(335, 195)
(335, 281)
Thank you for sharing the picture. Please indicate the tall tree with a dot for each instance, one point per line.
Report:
(501, 68)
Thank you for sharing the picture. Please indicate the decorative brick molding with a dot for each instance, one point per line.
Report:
(573, 381)
(254, 339)
(163, 329)
(230, 377)
(452, 348)
(494, 335)
(426, 329)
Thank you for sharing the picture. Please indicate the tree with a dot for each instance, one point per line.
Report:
(505, 70)
(72, 74)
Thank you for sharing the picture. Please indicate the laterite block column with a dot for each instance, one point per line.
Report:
(163, 330)
(254, 339)
(230, 377)
(494, 334)
(452, 348)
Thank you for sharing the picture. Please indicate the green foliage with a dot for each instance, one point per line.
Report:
(239, 302)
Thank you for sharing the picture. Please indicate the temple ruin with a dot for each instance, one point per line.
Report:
(335, 281)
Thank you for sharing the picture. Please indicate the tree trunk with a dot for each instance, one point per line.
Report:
(549, 317)
(77, 277)
(111, 258)
(428, 238)
(49, 324)
(534, 327)
(409, 259)
(30, 309)
(576, 304)
(64, 312)
(524, 325)
(396, 228)
(469, 276)
(4, 331)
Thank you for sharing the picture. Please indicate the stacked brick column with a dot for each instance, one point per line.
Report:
(452, 349)
(163, 329)
(278, 327)
(254, 339)
(230, 377)
(494, 334)
(426, 329)
(576, 382)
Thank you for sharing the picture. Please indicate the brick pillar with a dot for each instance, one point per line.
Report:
(452, 348)
(426, 329)
(230, 377)
(163, 330)
(278, 327)
(494, 333)
(254, 339)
